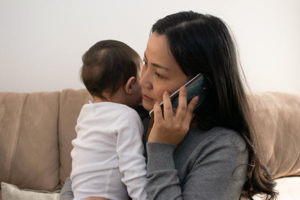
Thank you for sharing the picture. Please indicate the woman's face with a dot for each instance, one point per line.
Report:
(160, 71)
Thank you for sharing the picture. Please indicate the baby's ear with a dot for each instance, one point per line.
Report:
(130, 84)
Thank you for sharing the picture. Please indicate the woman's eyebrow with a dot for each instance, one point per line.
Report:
(156, 65)
(159, 66)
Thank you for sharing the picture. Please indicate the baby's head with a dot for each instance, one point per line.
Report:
(110, 72)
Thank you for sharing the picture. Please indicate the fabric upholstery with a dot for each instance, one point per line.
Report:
(12, 192)
(276, 118)
(71, 102)
(29, 144)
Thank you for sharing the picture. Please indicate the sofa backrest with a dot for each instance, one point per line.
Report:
(276, 118)
(70, 102)
(36, 131)
(28, 140)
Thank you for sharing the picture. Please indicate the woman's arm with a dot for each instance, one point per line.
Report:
(163, 181)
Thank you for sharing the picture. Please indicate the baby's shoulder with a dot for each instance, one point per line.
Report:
(126, 116)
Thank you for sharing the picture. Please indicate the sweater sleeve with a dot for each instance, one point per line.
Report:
(217, 170)
(130, 152)
(66, 192)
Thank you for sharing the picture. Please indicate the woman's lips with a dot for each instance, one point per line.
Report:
(146, 98)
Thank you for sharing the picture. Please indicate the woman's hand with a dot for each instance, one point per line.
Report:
(170, 128)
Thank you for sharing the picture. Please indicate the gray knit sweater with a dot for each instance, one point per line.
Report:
(208, 165)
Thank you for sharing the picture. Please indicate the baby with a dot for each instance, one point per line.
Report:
(107, 155)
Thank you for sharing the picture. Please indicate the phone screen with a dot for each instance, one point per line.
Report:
(194, 87)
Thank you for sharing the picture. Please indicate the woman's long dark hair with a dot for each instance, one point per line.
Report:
(202, 43)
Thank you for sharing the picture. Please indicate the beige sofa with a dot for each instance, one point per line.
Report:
(36, 130)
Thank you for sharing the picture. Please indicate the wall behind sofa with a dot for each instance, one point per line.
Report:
(42, 41)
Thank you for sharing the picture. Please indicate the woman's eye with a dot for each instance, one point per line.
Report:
(158, 75)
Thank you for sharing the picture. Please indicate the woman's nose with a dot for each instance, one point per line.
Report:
(146, 79)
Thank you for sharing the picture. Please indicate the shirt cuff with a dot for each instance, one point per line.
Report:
(160, 156)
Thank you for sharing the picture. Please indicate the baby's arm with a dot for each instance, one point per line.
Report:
(130, 151)
(67, 193)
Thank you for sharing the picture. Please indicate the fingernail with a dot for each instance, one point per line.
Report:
(183, 89)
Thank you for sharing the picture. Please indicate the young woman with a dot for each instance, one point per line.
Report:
(214, 157)
(207, 153)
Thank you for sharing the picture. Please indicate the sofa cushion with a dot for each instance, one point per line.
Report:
(276, 119)
(12, 192)
(28, 132)
(71, 102)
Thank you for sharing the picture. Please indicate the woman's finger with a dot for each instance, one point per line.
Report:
(168, 111)
(190, 110)
(157, 112)
(182, 104)
(193, 104)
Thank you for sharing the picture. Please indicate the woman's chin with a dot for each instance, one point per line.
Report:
(147, 105)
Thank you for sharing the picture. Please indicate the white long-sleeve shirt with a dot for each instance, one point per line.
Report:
(107, 155)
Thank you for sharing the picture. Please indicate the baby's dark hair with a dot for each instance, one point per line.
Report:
(107, 65)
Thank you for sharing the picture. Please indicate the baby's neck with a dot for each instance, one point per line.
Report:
(117, 97)
(98, 100)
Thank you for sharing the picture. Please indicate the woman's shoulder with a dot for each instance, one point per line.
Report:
(217, 141)
(218, 136)
(227, 137)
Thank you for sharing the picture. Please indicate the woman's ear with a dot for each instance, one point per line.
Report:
(130, 85)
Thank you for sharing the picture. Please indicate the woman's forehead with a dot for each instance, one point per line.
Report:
(157, 41)
(158, 52)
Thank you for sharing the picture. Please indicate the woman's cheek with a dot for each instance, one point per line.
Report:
(160, 95)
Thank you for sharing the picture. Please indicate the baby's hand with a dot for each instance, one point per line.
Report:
(170, 128)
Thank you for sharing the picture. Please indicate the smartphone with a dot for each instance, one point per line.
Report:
(194, 87)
